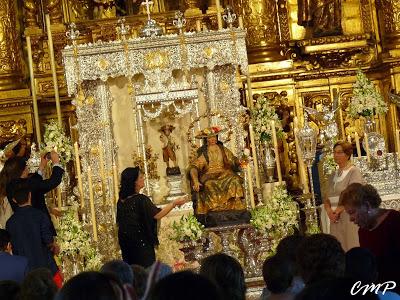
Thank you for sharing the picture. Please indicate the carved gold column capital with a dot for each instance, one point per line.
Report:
(30, 13)
(389, 15)
(54, 9)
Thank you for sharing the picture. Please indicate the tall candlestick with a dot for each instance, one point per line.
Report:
(241, 22)
(79, 175)
(219, 16)
(59, 200)
(251, 190)
(53, 69)
(254, 154)
(367, 147)
(198, 25)
(115, 182)
(357, 138)
(91, 201)
(102, 172)
(33, 88)
(300, 163)
(276, 149)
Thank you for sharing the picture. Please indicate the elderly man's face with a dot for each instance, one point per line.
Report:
(358, 215)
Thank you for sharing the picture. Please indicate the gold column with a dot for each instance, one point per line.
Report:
(261, 20)
(389, 12)
(10, 50)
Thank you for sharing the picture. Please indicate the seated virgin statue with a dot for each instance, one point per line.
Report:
(219, 197)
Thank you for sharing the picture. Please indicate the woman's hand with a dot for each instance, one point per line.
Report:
(332, 215)
(180, 201)
(196, 185)
(338, 211)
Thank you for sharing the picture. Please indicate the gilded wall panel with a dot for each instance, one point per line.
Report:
(10, 48)
(351, 12)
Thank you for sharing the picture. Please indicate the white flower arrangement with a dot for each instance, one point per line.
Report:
(262, 114)
(55, 139)
(366, 100)
(329, 165)
(278, 217)
(188, 228)
(74, 241)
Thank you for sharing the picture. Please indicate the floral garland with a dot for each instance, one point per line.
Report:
(74, 241)
(188, 228)
(55, 139)
(366, 100)
(261, 116)
(278, 217)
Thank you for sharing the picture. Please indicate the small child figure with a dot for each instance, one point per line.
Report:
(168, 149)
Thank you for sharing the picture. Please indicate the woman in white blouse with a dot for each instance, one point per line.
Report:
(337, 221)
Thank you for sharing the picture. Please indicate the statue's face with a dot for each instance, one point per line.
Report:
(212, 140)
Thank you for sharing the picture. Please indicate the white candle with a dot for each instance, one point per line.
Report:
(249, 91)
(254, 154)
(219, 16)
(250, 182)
(295, 122)
(300, 163)
(53, 69)
(59, 200)
(357, 138)
(102, 172)
(115, 182)
(198, 25)
(91, 201)
(277, 161)
(79, 174)
(241, 22)
(33, 88)
(398, 142)
(367, 147)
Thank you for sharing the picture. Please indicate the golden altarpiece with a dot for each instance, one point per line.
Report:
(299, 54)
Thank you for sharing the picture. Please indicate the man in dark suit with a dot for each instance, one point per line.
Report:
(37, 185)
(13, 267)
(30, 231)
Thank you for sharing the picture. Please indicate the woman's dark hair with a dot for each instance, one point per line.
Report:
(92, 286)
(346, 146)
(361, 265)
(184, 285)
(128, 179)
(357, 194)
(139, 280)
(12, 169)
(278, 273)
(226, 273)
(288, 247)
(320, 256)
(38, 285)
(120, 269)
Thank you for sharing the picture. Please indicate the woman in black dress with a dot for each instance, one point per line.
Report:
(137, 219)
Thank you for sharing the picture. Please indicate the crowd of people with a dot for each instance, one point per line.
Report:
(319, 266)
